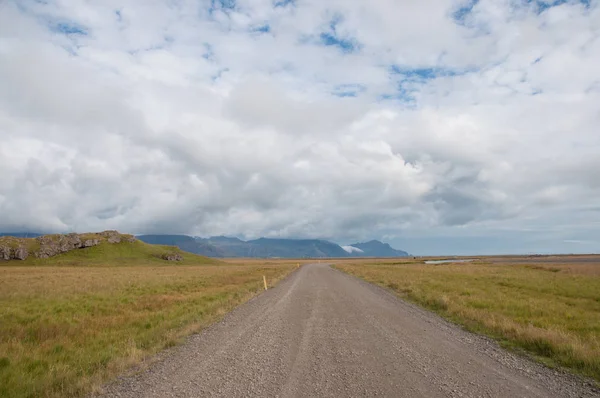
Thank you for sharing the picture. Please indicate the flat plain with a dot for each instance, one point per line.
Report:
(324, 333)
(544, 306)
(71, 322)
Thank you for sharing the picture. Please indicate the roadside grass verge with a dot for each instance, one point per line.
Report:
(65, 330)
(549, 311)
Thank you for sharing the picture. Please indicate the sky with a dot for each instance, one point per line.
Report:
(438, 126)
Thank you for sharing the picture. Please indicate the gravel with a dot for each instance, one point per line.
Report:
(322, 333)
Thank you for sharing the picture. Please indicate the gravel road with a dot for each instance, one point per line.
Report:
(322, 333)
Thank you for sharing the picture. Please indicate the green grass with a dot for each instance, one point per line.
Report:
(72, 322)
(124, 253)
(550, 312)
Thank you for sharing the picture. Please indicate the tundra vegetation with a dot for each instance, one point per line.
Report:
(70, 322)
(548, 308)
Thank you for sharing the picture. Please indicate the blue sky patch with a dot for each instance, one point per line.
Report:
(209, 53)
(335, 21)
(346, 45)
(408, 79)
(402, 96)
(348, 90)
(404, 93)
(463, 11)
(332, 38)
(284, 3)
(218, 75)
(424, 73)
(224, 5)
(69, 28)
(541, 6)
(266, 28)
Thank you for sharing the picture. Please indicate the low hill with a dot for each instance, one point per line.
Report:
(104, 248)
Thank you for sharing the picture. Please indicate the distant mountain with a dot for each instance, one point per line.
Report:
(186, 243)
(230, 247)
(296, 248)
(21, 234)
(225, 240)
(222, 246)
(374, 248)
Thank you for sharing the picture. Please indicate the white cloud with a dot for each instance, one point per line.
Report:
(168, 116)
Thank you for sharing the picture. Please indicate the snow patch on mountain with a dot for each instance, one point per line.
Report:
(352, 249)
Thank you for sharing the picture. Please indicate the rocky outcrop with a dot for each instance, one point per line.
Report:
(116, 237)
(172, 257)
(46, 246)
(5, 253)
(18, 253)
(51, 245)
(111, 236)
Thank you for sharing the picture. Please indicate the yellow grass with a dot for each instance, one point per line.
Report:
(65, 330)
(549, 310)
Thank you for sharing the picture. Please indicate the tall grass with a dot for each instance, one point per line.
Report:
(549, 311)
(65, 330)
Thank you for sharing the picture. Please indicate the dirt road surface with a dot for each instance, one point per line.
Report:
(322, 333)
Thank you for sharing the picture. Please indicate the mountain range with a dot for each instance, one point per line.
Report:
(21, 234)
(222, 246)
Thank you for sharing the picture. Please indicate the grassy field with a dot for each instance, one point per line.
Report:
(71, 322)
(550, 310)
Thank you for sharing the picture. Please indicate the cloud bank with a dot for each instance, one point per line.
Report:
(440, 125)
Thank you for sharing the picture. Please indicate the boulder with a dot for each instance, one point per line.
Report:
(69, 242)
(48, 246)
(90, 243)
(5, 253)
(172, 257)
(21, 253)
(111, 236)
